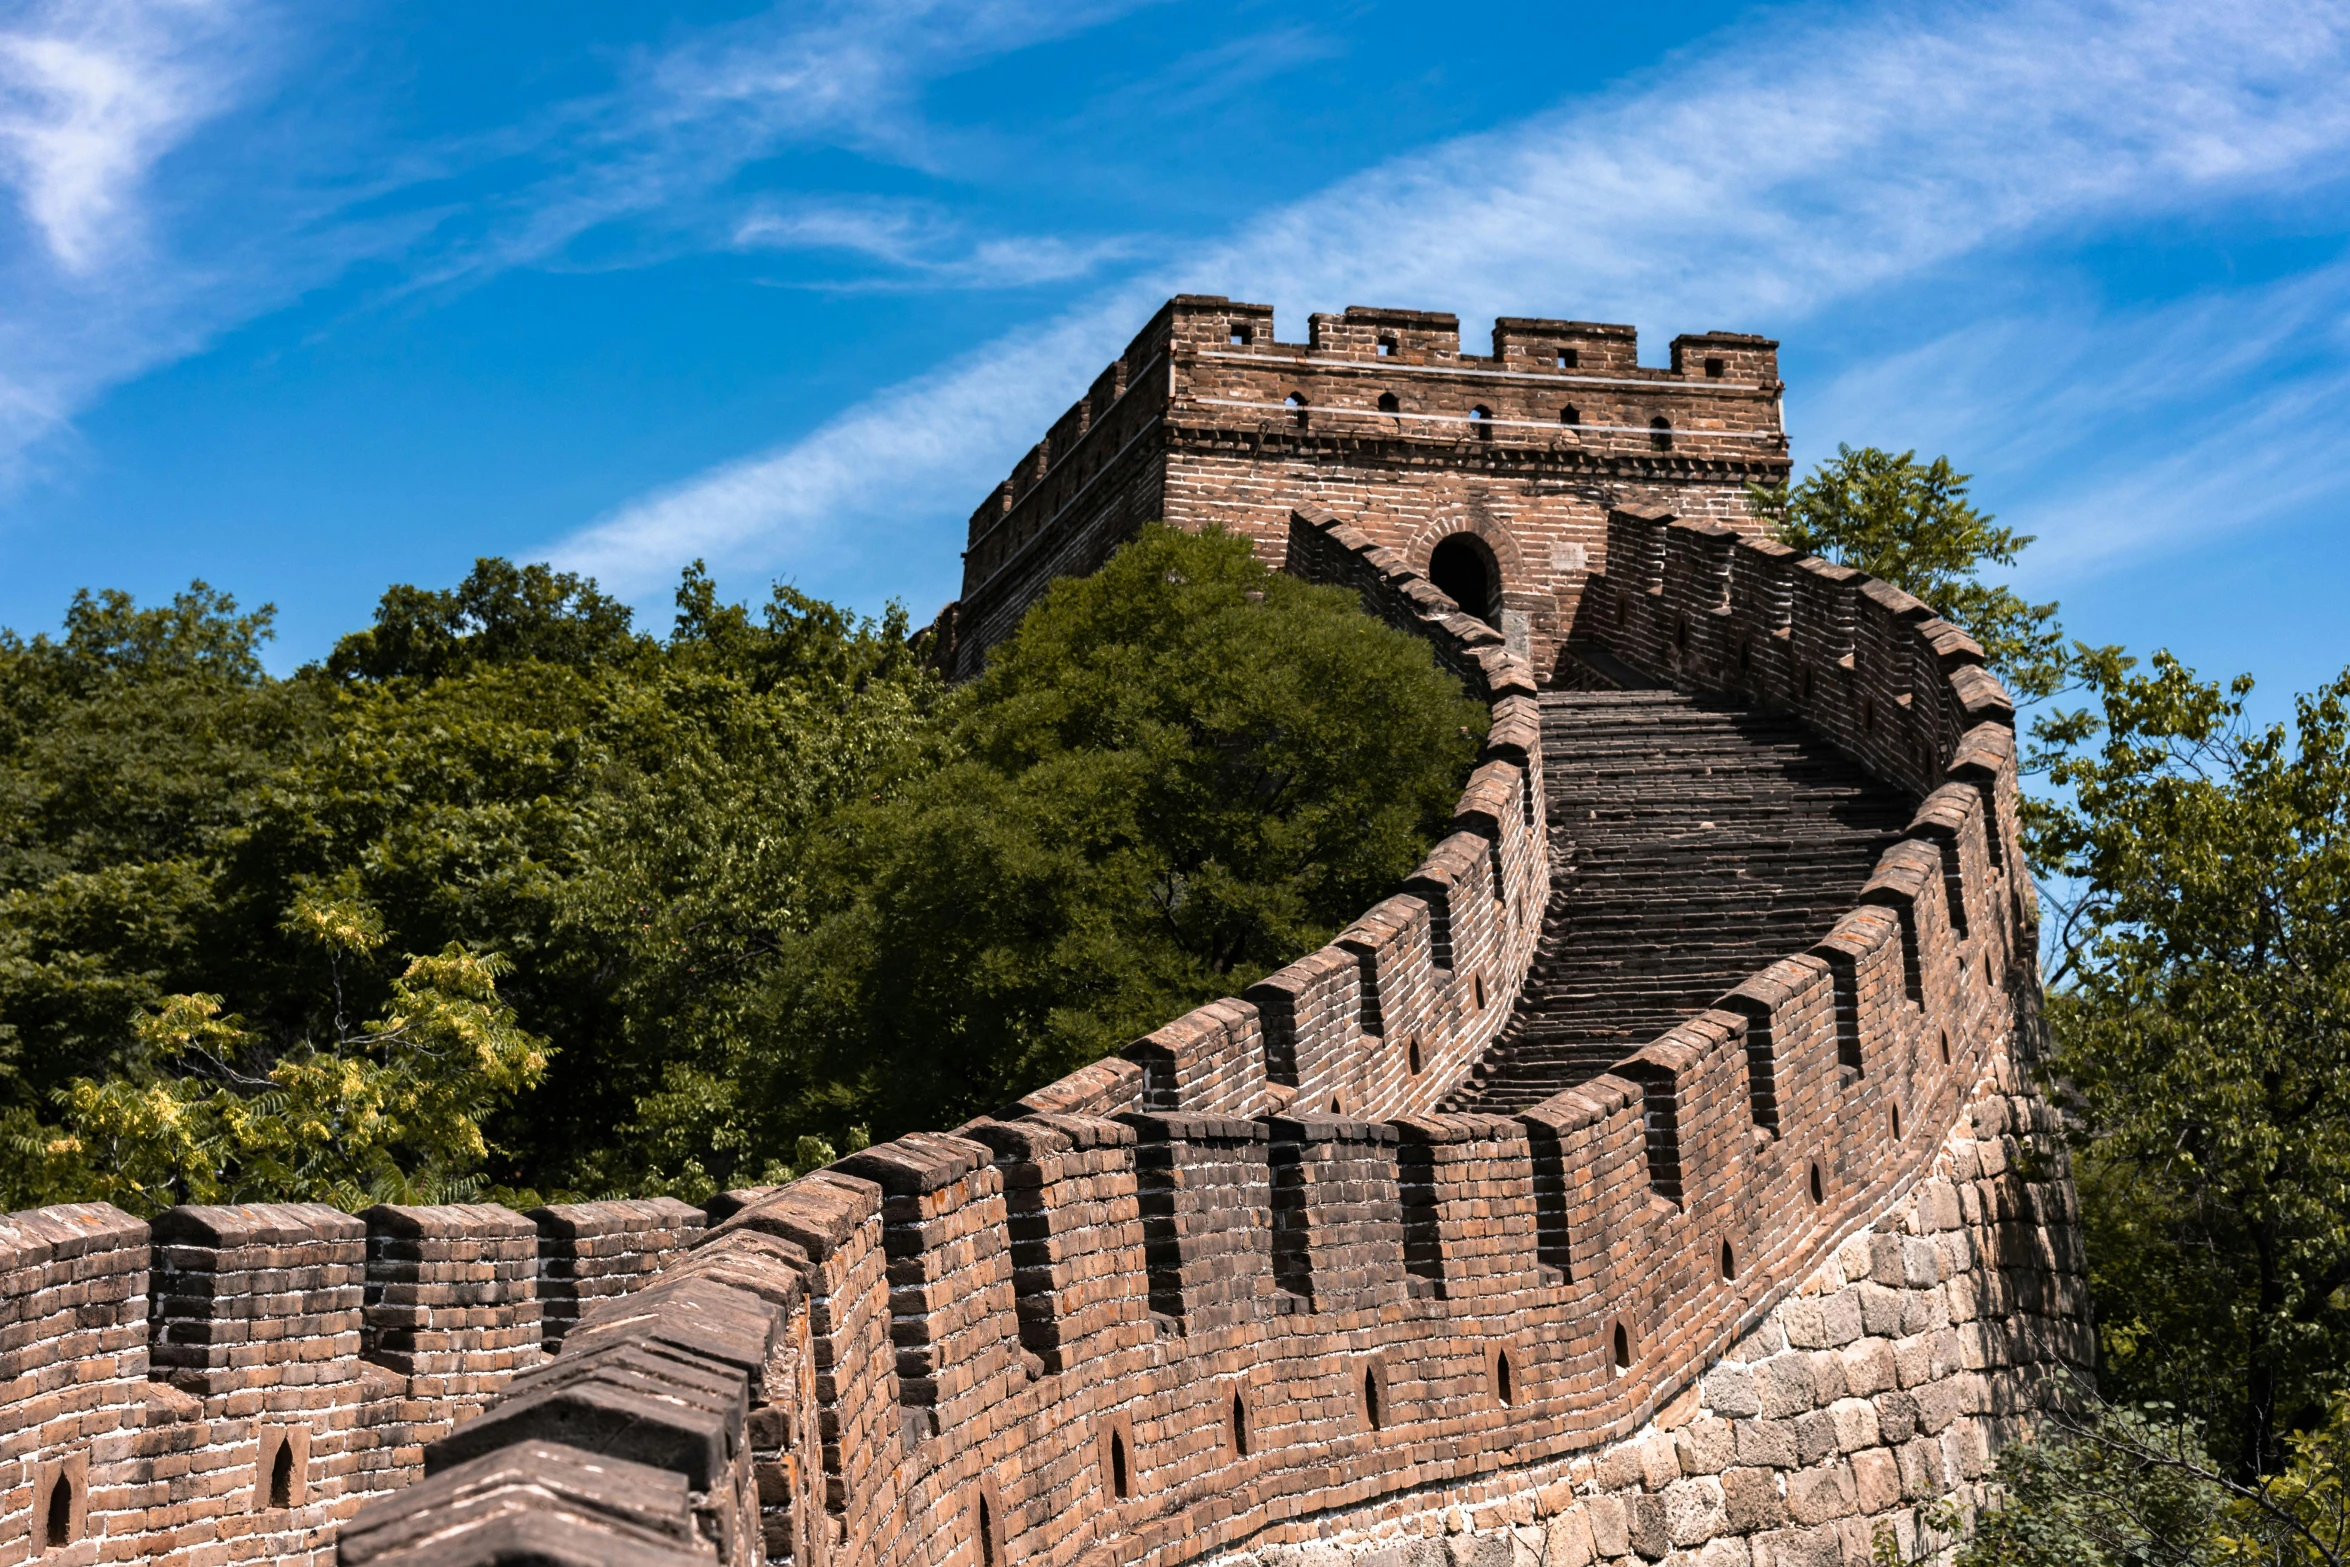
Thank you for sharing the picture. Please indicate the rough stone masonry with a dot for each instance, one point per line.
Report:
(1655, 1174)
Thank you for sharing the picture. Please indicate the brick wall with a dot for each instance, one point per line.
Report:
(229, 1384)
(1177, 1306)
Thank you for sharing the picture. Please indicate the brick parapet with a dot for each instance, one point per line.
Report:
(1170, 1307)
(73, 1369)
(452, 1300)
(199, 1385)
(591, 1251)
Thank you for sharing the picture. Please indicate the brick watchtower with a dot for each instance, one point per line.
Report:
(1493, 474)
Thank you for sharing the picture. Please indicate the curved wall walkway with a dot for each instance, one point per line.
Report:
(1237, 1289)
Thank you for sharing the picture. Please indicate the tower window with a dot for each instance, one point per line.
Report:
(1570, 415)
(1297, 408)
(1660, 433)
(1568, 359)
(281, 1477)
(1713, 368)
(1387, 348)
(1388, 403)
(1481, 419)
(1242, 334)
(57, 1524)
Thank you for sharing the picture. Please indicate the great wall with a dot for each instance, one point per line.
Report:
(1654, 1177)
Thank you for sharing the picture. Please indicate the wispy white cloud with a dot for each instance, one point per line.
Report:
(92, 93)
(2125, 433)
(94, 96)
(819, 500)
(2119, 432)
(1786, 169)
(920, 242)
(662, 147)
(110, 274)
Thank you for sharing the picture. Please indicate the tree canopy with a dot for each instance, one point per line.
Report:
(2202, 1026)
(506, 896)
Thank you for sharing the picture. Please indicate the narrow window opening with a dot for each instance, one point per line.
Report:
(281, 1476)
(1570, 415)
(1388, 404)
(1239, 1428)
(1477, 983)
(1297, 408)
(1501, 1378)
(1481, 420)
(1414, 1053)
(1713, 369)
(1729, 1261)
(1371, 1401)
(1337, 1105)
(1819, 1192)
(1946, 1033)
(57, 1527)
(1241, 335)
(1660, 433)
(1387, 348)
(1622, 1350)
(1118, 1481)
(986, 1536)
(1567, 358)
(1893, 1119)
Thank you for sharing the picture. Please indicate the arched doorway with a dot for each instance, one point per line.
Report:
(1463, 569)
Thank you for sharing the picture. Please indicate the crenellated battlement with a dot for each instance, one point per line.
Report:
(1208, 418)
(1239, 1284)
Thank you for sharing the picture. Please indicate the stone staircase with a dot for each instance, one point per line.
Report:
(1694, 843)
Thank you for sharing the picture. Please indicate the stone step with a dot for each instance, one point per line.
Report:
(1694, 842)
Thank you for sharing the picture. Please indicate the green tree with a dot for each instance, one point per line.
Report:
(500, 614)
(505, 765)
(132, 748)
(389, 1110)
(623, 818)
(1911, 524)
(2202, 1031)
(2107, 1485)
(1184, 771)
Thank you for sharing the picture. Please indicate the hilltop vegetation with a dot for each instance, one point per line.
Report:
(507, 895)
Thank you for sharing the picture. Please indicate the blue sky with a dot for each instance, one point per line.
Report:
(306, 299)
